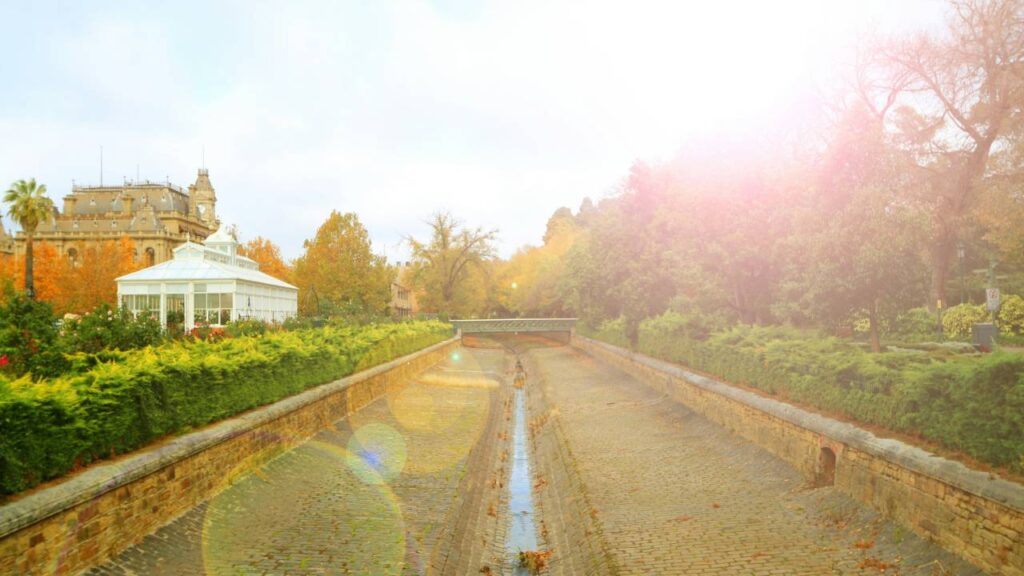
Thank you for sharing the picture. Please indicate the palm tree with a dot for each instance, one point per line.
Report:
(28, 207)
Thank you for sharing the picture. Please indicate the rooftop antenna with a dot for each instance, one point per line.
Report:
(101, 166)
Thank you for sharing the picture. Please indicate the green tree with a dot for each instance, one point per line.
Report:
(339, 273)
(619, 266)
(864, 258)
(28, 206)
(528, 282)
(28, 335)
(449, 269)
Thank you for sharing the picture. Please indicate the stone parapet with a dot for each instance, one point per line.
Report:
(92, 516)
(974, 514)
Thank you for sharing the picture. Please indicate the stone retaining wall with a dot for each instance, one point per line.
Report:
(90, 517)
(971, 513)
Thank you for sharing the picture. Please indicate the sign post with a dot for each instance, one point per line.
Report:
(992, 299)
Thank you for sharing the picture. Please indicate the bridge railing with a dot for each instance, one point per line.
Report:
(508, 325)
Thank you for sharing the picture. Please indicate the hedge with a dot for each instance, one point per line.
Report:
(49, 427)
(973, 404)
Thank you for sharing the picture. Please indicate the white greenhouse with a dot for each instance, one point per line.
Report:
(207, 283)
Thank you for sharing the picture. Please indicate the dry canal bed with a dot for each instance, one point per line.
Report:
(460, 470)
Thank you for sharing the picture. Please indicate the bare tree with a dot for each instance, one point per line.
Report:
(949, 101)
(443, 264)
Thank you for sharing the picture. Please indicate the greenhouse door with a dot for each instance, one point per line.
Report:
(175, 319)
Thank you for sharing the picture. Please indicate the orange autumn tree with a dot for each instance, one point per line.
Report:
(8, 272)
(94, 279)
(87, 282)
(268, 256)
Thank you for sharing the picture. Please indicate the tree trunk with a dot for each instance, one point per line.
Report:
(29, 284)
(952, 210)
(740, 303)
(940, 272)
(876, 344)
(632, 331)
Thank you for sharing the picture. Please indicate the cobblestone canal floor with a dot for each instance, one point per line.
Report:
(379, 493)
(674, 493)
(626, 482)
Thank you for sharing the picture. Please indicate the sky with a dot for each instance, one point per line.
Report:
(499, 112)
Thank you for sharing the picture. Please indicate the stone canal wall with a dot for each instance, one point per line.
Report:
(971, 513)
(90, 517)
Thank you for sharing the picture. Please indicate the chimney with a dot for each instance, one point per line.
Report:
(69, 204)
(127, 200)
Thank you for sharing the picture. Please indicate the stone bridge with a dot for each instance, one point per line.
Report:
(557, 328)
(454, 460)
(514, 325)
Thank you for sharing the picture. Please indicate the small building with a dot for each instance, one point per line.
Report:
(403, 298)
(209, 284)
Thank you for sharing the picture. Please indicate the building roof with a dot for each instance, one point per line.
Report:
(190, 263)
(221, 236)
(100, 201)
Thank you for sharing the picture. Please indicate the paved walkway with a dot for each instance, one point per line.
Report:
(677, 494)
(377, 494)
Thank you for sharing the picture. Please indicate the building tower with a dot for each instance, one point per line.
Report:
(201, 199)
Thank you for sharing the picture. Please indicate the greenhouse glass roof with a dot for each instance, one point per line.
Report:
(190, 263)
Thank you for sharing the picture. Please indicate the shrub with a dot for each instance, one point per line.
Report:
(961, 402)
(48, 427)
(611, 331)
(204, 331)
(914, 324)
(301, 323)
(28, 336)
(240, 328)
(958, 320)
(1011, 315)
(107, 328)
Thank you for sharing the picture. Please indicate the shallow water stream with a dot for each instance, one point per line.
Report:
(522, 533)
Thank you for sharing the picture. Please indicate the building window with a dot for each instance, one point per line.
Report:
(139, 304)
(73, 256)
(150, 256)
(212, 308)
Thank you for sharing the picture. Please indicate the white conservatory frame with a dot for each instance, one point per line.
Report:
(198, 275)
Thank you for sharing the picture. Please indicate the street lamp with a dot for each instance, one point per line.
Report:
(960, 252)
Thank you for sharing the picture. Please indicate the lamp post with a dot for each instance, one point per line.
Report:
(993, 304)
(960, 253)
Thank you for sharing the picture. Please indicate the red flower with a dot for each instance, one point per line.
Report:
(4, 361)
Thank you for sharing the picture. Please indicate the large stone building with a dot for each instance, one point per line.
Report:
(157, 216)
(6, 242)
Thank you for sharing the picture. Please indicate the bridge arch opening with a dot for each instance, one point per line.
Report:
(826, 467)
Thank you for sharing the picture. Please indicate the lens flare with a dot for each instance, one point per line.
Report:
(262, 522)
(376, 453)
(443, 414)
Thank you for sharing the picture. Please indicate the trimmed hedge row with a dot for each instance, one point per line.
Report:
(49, 427)
(973, 404)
